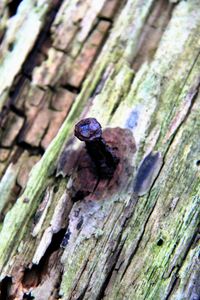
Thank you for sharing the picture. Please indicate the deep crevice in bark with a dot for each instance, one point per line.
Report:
(33, 276)
(31, 59)
(13, 6)
(34, 150)
(4, 288)
(155, 25)
(73, 89)
(28, 297)
(175, 276)
(115, 257)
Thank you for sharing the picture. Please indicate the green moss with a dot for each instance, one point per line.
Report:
(18, 217)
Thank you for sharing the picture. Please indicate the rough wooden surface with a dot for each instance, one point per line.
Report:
(131, 64)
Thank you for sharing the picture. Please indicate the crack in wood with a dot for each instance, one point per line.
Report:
(175, 278)
(5, 285)
(29, 63)
(13, 6)
(157, 21)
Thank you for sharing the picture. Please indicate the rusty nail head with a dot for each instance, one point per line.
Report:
(89, 130)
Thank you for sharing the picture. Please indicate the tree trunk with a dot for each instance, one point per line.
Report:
(65, 231)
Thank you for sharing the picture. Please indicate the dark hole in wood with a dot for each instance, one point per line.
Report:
(198, 163)
(28, 297)
(65, 239)
(4, 288)
(80, 195)
(160, 242)
(10, 47)
(33, 276)
(13, 5)
(56, 188)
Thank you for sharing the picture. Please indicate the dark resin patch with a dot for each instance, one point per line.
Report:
(147, 173)
(133, 119)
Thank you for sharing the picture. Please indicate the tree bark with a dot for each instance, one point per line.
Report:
(65, 232)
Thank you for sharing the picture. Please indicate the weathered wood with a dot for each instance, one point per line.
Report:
(111, 65)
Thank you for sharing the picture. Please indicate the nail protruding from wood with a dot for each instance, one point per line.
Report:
(89, 130)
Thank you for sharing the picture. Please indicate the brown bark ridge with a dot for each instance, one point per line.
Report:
(66, 232)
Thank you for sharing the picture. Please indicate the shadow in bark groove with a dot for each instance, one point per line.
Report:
(33, 276)
(31, 60)
(4, 288)
(39, 269)
(13, 6)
